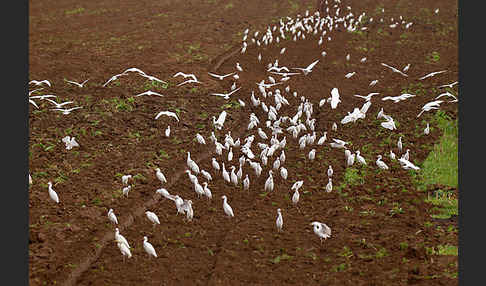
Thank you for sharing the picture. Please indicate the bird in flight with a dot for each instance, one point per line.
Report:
(189, 81)
(450, 85)
(432, 74)
(59, 105)
(220, 77)
(36, 82)
(153, 78)
(185, 75)
(67, 111)
(394, 69)
(226, 95)
(77, 83)
(168, 113)
(308, 69)
(149, 92)
(368, 97)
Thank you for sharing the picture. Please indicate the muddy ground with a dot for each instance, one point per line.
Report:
(382, 231)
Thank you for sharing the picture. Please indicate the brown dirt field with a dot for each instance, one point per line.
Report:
(72, 243)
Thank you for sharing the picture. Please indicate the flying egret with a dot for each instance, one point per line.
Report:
(307, 69)
(112, 216)
(226, 207)
(152, 217)
(220, 77)
(167, 113)
(321, 230)
(279, 221)
(66, 111)
(52, 193)
(148, 247)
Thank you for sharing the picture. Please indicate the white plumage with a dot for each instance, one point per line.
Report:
(148, 247)
(52, 194)
(112, 216)
(227, 208)
(152, 217)
(279, 221)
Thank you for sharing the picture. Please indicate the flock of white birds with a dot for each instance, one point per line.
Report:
(271, 132)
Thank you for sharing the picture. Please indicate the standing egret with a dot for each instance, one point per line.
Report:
(329, 171)
(120, 238)
(279, 221)
(198, 189)
(125, 179)
(230, 154)
(125, 251)
(329, 186)
(295, 198)
(152, 217)
(239, 174)
(126, 190)
(283, 173)
(406, 156)
(234, 178)
(200, 139)
(52, 193)
(392, 155)
(167, 131)
(269, 182)
(381, 164)
(321, 230)
(427, 130)
(312, 154)
(226, 207)
(399, 144)
(282, 156)
(191, 164)
(360, 158)
(215, 164)
(246, 183)
(226, 176)
(112, 216)
(149, 247)
(206, 175)
(160, 175)
(207, 191)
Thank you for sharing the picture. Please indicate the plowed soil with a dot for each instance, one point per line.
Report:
(381, 225)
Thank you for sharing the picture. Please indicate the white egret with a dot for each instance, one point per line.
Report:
(329, 171)
(126, 190)
(230, 154)
(200, 139)
(234, 178)
(226, 176)
(120, 238)
(381, 164)
(152, 217)
(392, 155)
(427, 130)
(148, 247)
(124, 250)
(295, 197)
(360, 158)
(269, 182)
(283, 173)
(160, 175)
(191, 164)
(329, 186)
(226, 207)
(198, 189)
(321, 230)
(312, 154)
(215, 164)
(246, 183)
(279, 221)
(207, 191)
(167, 131)
(52, 194)
(406, 156)
(297, 185)
(400, 144)
(206, 175)
(112, 216)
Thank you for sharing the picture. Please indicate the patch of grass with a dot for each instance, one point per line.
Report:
(381, 253)
(280, 258)
(352, 177)
(445, 207)
(433, 57)
(441, 166)
(74, 11)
